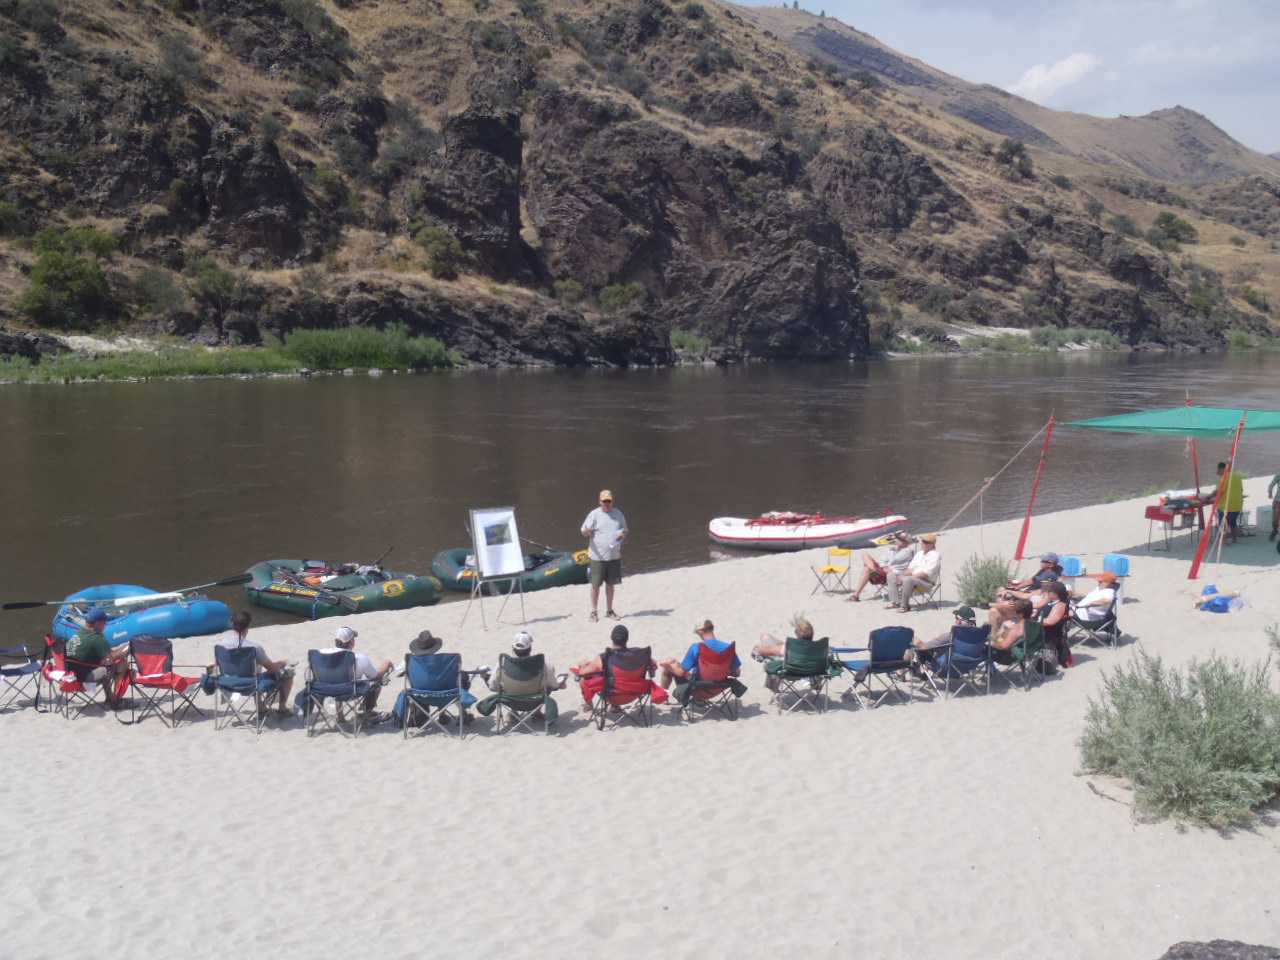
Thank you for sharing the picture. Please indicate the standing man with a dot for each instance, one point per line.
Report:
(1232, 486)
(924, 570)
(605, 529)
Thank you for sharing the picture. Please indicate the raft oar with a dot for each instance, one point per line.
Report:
(542, 545)
(225, 582)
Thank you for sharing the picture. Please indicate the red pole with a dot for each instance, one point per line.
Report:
(1195, 463)
(1217, 500)
(1026, 523)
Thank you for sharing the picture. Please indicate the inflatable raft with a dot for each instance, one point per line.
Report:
(555, 568)
(315, 589)
(783, 530)
(132, 611)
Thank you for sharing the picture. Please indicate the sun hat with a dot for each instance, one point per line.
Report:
(701, 624)
(966, 614)
(425, 642)
(1049, 557)
(345, 636)
(929, 538)
(522, 642)
(606, 494)
(620, 635)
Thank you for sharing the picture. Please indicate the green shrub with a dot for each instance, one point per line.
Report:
(155, 287)
(1202, 747)
(444, 254)
(365, 347)
(66, 292)
(1240, 340)
(686, 341)
(981, 579)
(1124, 225)
(1061, 180)
(620, 296)
(570, 291)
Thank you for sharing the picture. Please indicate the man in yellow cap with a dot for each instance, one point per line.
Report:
(605, 529)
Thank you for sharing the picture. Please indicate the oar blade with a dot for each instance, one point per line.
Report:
(27, 604)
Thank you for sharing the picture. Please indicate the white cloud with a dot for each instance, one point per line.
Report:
(1041, 82)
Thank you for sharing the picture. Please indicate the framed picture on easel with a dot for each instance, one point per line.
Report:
(497, 543)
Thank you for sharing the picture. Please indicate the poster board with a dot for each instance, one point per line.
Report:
(496, 542)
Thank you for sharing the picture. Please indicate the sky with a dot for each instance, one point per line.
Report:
(1220, 58)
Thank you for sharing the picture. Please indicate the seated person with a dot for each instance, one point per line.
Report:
(894, 562)
(922, 573)
(1011, 631)
(93, 660)
(687, 668)
(522, 646)
(426, 643)
(1095, 605)
(1048, 572)
(925, 649)
(280, 669)
(1053, 615)
(1002, 610)
(770, 647)
(345, 639)
(590, 672)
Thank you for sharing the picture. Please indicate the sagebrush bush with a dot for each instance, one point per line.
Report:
(1204, 747)
(981, 579)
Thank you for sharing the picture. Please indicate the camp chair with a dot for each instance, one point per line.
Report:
(1118, 564)
(930, 594)
(628, 687)
(332, 676)
(1104, 632)
(833, 576)
(71, 695)
(1020, 658)
(522, 693)
(886, 665)
(20, 680)
(432, 684)
(965, 658)
(802, 672)
(155, 685)
(244, 692)
(712, 688)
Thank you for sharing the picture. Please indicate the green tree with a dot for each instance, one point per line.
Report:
(66, 291)
(444, 254)
(1173, 227)
(213, 286)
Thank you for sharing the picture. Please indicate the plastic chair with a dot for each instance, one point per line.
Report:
(432, 684)
(886, 664)
(155, 685)
(833, 576)
(713, 689)
(241, 685)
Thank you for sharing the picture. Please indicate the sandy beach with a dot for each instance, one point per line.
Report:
(949, 829)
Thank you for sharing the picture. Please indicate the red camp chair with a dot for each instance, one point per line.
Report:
(154, 683)
(628, 691)
(712, 689)
(71, 696)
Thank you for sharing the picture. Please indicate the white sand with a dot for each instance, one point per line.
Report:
(935, 830)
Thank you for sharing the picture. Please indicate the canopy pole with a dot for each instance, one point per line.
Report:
(1026, 523)
(990, 481)
(1195, 462)
(1217, 501)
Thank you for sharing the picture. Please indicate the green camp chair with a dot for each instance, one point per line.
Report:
(1022, 658)
(802, 674)
(522, 693)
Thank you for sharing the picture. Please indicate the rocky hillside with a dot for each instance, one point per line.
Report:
(561, 181)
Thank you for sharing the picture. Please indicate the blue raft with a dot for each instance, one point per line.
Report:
(132, 611)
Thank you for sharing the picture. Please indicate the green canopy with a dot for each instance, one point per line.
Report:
(1186, 422)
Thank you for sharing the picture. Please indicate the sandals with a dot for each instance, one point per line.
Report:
(852, 599)
(593, 618)
(611, 615)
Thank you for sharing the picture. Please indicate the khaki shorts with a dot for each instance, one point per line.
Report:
(604, 571)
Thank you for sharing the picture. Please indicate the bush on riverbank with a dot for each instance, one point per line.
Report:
(360, 347)
(1204, 747)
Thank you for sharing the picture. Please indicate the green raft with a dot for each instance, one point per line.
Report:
(315, 589)
(555, 568)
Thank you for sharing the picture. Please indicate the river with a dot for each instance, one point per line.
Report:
(175, 483)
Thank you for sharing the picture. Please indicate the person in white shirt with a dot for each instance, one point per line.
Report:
(895, 560)
(345, 639)
(605, 529)
(1094, 605)
(924, 570)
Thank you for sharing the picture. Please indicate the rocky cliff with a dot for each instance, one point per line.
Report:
(563, 183)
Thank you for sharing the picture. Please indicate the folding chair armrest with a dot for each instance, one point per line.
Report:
(850, 649)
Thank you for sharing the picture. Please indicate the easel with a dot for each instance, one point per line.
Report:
(478, 591)
(497, 559)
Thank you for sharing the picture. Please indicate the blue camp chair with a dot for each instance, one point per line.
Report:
(331, 675)
(20, 679)
(966, 658)
(244, 692)
(432, 684)
(886, 665)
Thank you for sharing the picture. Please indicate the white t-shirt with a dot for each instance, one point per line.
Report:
(1089, 608)
(926, 565)
(365, 670)
(604, 529)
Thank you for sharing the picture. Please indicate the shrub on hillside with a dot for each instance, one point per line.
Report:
(1203, 746)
